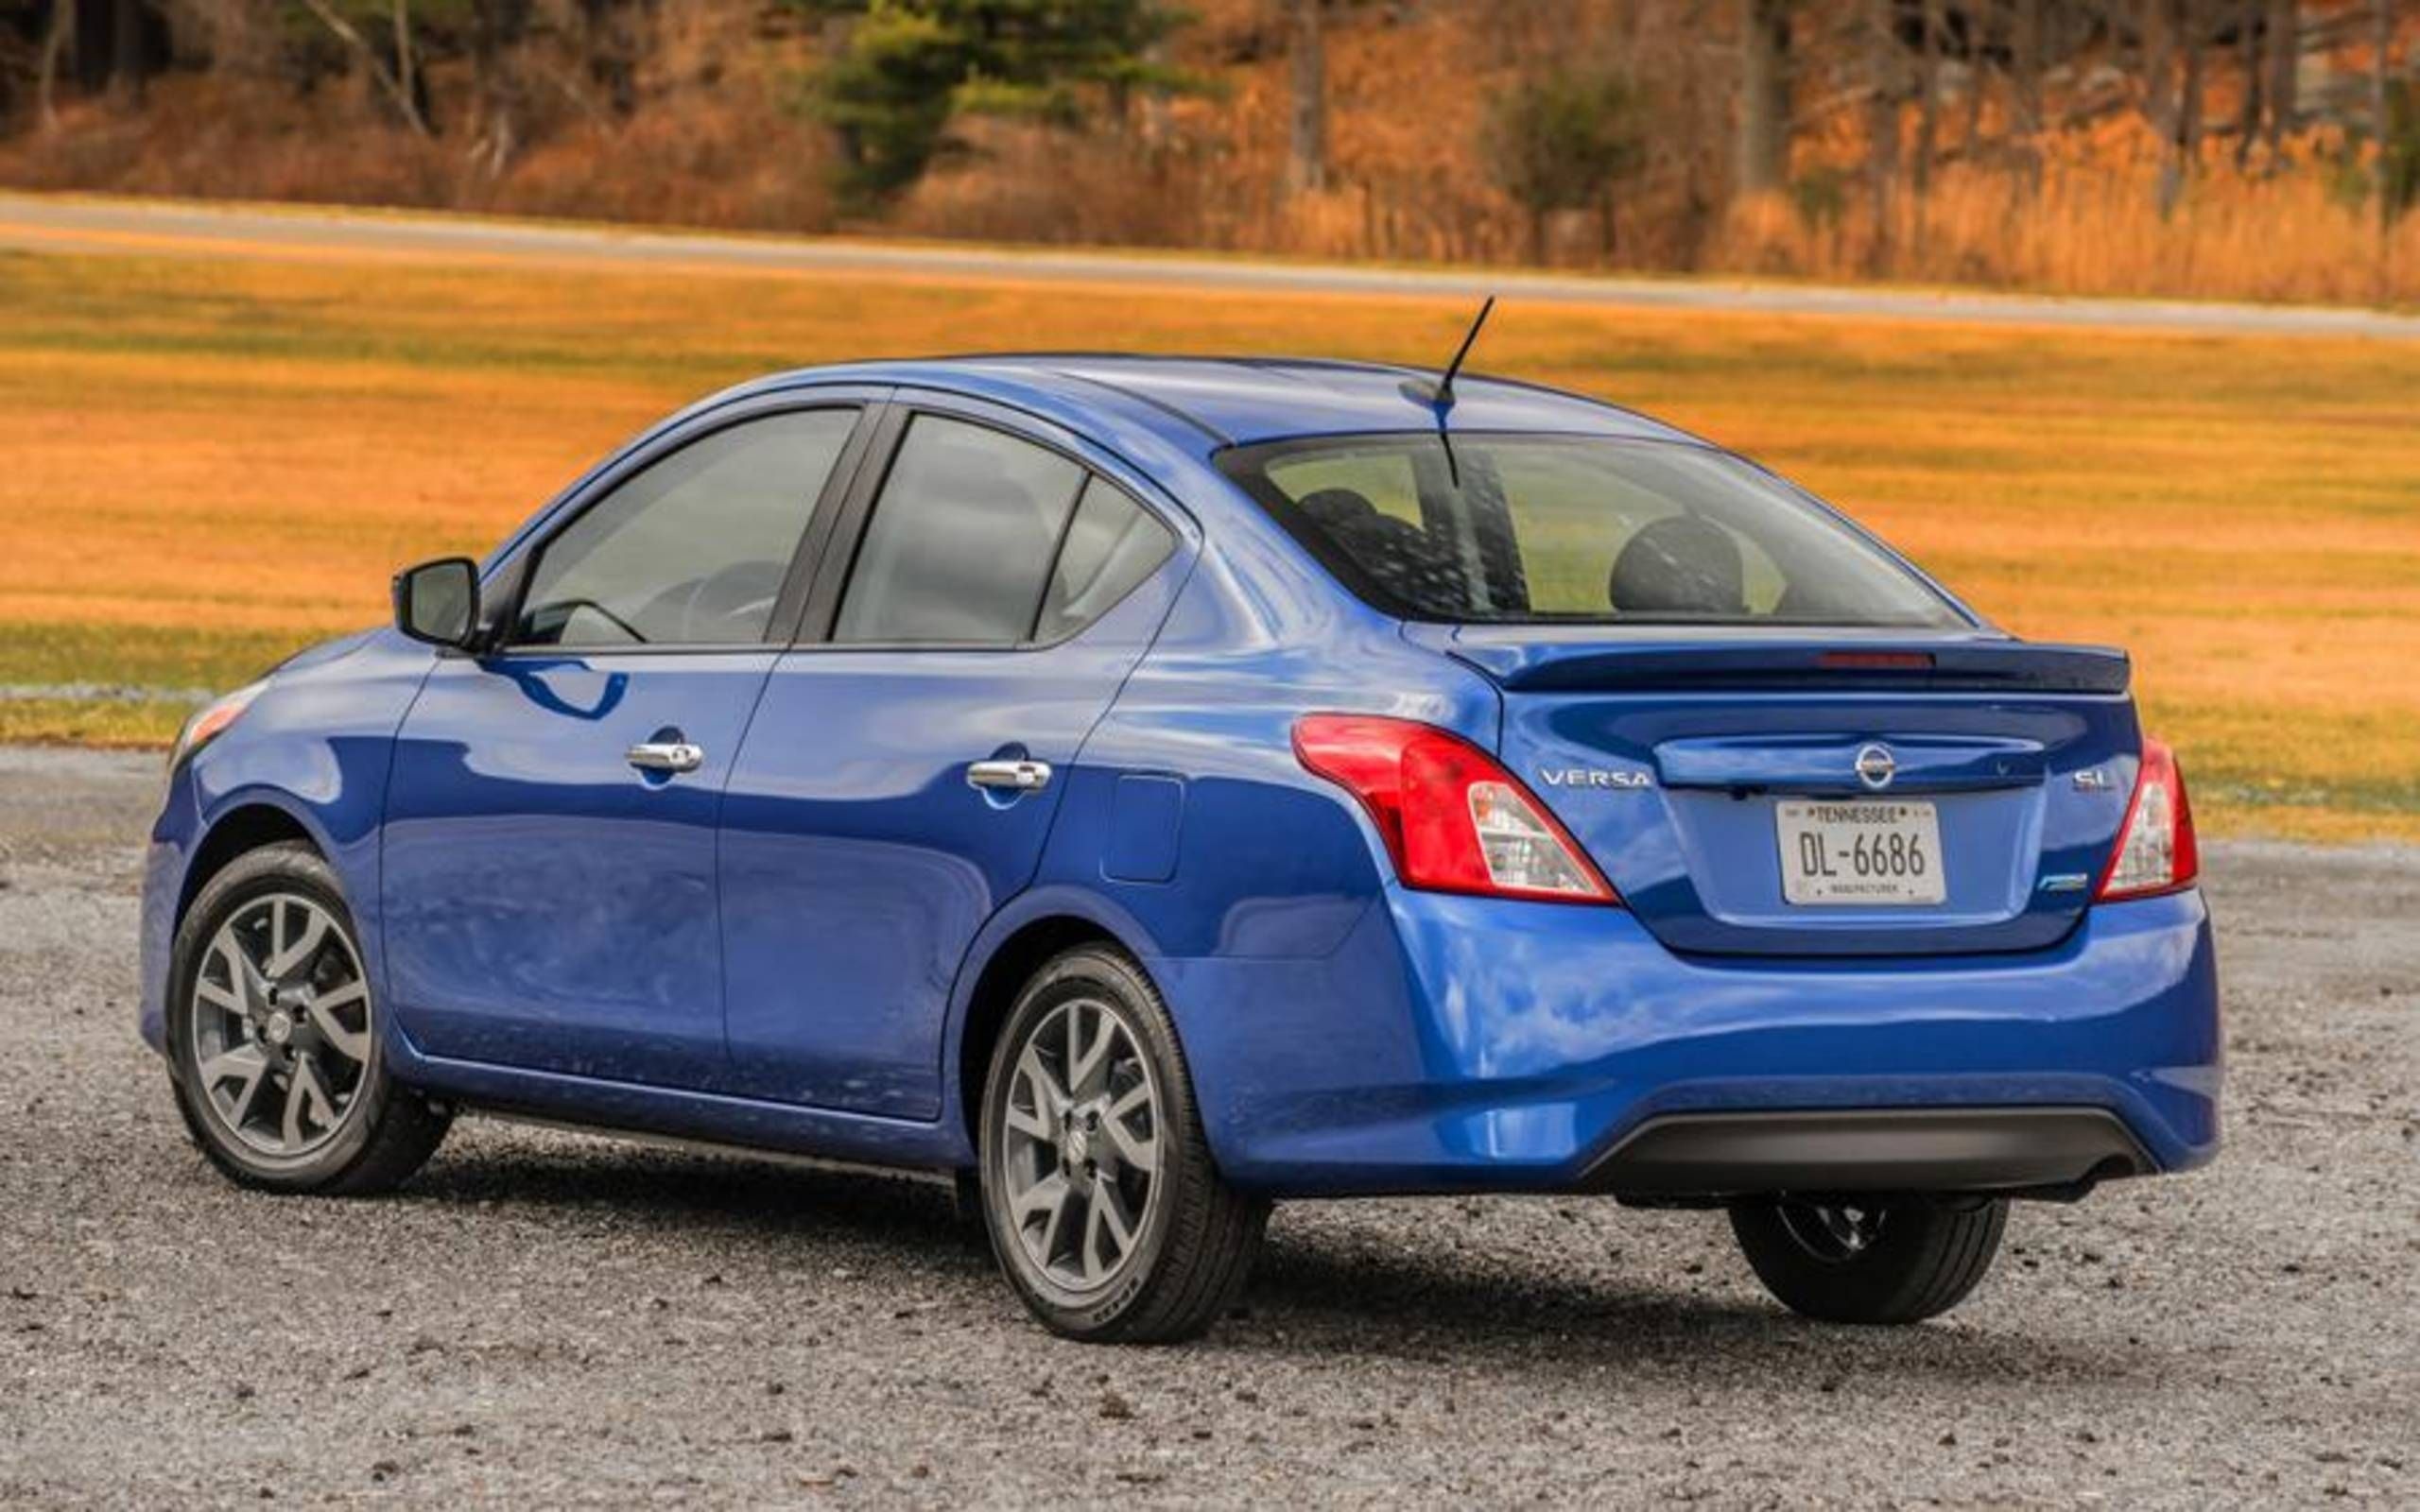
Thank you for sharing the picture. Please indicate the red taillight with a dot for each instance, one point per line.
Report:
(1453, 819)
(2155, 851)
(1875, 660)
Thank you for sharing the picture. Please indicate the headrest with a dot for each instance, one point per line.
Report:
(1678, 565)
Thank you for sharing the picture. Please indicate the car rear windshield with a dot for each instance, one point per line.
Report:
(1578, 529)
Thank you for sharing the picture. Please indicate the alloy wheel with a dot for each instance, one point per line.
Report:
(1081, 1145)
(1834, 1233)
(281, 1025)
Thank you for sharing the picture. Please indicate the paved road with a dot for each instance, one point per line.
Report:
(544, 1318)
(91, 224)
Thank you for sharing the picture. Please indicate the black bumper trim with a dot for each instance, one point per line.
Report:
(1879, 1149)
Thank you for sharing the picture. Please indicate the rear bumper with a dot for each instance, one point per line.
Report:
(1889, 1149)
(1462, 1045)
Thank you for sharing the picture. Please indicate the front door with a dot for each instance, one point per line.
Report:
(902, 773)
(549, 884)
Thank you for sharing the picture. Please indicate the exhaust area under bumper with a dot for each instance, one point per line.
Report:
(2048, 1150)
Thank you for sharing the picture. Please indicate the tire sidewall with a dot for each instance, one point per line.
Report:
(1924, 1261)
(1097, 977)
(291, 869)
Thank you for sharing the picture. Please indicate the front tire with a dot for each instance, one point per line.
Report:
(275, 1050)
(1098, 1189)
(1898, 1260)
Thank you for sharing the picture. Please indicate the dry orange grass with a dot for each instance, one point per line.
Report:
(208, 461)
(2096, 229)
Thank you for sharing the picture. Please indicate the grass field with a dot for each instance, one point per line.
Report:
(205, 463)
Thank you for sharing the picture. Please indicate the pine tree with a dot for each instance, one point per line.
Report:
(913, 66)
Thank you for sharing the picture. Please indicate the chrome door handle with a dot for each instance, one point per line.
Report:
(666, 756)
(1024, 777)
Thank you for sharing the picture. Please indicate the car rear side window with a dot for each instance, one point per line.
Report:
(1514, 529)
(1112, 545)
(962, 540)
(692, 550)
(988, 540)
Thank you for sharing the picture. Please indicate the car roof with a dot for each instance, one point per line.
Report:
(1205, 404)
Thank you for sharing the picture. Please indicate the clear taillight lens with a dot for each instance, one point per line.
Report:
(1452, 819)
(1521, 852)
(2156, 851)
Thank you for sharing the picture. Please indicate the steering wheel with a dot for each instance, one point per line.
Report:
(754, 587)
(569, 607)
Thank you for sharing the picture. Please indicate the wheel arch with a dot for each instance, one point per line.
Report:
(241, 828)
(1019, 939)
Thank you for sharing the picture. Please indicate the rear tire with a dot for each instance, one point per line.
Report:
(1102, 1202)
(1898, 1260)
(275, 1043)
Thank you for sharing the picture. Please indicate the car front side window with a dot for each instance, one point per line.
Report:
(694, 548)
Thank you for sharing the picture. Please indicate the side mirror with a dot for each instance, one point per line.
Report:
(438, 601)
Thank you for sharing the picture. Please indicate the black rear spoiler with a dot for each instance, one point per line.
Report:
(1541, 659)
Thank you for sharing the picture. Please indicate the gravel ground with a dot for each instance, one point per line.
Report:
(550, 1318)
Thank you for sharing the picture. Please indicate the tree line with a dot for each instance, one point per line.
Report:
(1585, 110)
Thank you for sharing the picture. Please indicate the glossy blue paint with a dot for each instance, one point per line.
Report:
(851, 809)
(1145, 823)
(1456, 1043)
(315, 748)
(1271, 399)
(1695, 855)
(782, 948)
(545, 904)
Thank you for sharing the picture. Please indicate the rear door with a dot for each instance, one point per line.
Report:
(549, 879)
(993, 584)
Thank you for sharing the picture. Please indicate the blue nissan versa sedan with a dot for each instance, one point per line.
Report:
(1150, 787)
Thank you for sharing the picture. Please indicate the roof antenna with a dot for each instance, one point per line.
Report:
(1439, 396)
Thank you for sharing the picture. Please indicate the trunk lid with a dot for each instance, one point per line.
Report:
(1687, 766)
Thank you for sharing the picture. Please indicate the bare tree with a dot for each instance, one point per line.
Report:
(1929, 42)
(2193, 22)
(2284, 40)
(57, 47)
(126, 51)
(406, 86)
(1979, 32)
(2025, 69)
(2162, 102)
(497, 28)
(1882, 123)
(2255, 81)
(351, 36)
(1761, 161)
(1306, 155)
(2383, 122)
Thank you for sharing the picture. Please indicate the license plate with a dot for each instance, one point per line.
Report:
(1860, 853)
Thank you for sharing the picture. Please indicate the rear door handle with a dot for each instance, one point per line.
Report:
(666, 756)
(1022, 776)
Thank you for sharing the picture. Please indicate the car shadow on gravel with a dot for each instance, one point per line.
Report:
(1313, 1296)
(1316, 1298)
(736, 1197)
